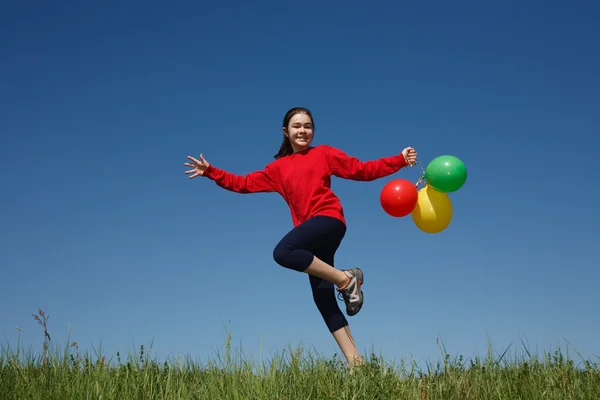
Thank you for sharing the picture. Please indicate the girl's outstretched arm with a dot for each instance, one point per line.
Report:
(345, 166)
(254, 182)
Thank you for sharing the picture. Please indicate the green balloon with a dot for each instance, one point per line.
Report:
(446, 174)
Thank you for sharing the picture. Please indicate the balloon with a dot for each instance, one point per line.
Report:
(446, 174)
(398, 197)
(433, 211)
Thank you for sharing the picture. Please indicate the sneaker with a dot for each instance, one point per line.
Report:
(352, 292)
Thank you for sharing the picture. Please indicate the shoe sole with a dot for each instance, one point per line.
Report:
(360, 279)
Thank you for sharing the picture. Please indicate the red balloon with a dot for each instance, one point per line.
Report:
(399, 197)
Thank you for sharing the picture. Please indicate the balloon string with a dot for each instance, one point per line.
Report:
(422, 178)
(421, 164)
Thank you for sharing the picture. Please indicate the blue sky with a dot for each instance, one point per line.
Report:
(100, 105)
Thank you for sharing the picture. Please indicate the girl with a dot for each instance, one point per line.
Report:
(301, 174)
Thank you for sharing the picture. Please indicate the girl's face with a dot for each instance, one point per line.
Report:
(299, 131)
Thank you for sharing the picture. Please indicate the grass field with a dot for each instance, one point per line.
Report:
(64, 373)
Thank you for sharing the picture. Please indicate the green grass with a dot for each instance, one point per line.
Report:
(294, 374)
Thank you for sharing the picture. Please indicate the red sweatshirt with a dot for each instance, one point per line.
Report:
(303, 179)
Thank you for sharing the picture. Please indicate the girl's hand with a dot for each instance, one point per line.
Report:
(198, 167)
(410, 155)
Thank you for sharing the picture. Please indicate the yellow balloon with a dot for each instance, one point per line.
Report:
(433, 211)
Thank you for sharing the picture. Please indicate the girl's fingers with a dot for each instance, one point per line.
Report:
(194, 160)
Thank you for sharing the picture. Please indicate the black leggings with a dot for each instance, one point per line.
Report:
(320, 237)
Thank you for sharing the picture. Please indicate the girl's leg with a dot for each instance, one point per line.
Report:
(324, 297)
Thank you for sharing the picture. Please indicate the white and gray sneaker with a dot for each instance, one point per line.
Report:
(352, 292)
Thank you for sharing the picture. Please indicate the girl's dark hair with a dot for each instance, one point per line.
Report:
(286, 147)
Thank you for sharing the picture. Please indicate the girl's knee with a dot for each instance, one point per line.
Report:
(290, 256)
(280, 255)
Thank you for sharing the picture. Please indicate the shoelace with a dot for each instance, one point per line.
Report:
(345, 293)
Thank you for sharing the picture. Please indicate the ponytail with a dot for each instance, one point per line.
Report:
(285, 149)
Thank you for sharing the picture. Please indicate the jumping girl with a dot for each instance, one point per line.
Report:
(301, 174)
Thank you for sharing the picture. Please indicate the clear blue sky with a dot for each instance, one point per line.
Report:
(100, 227)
